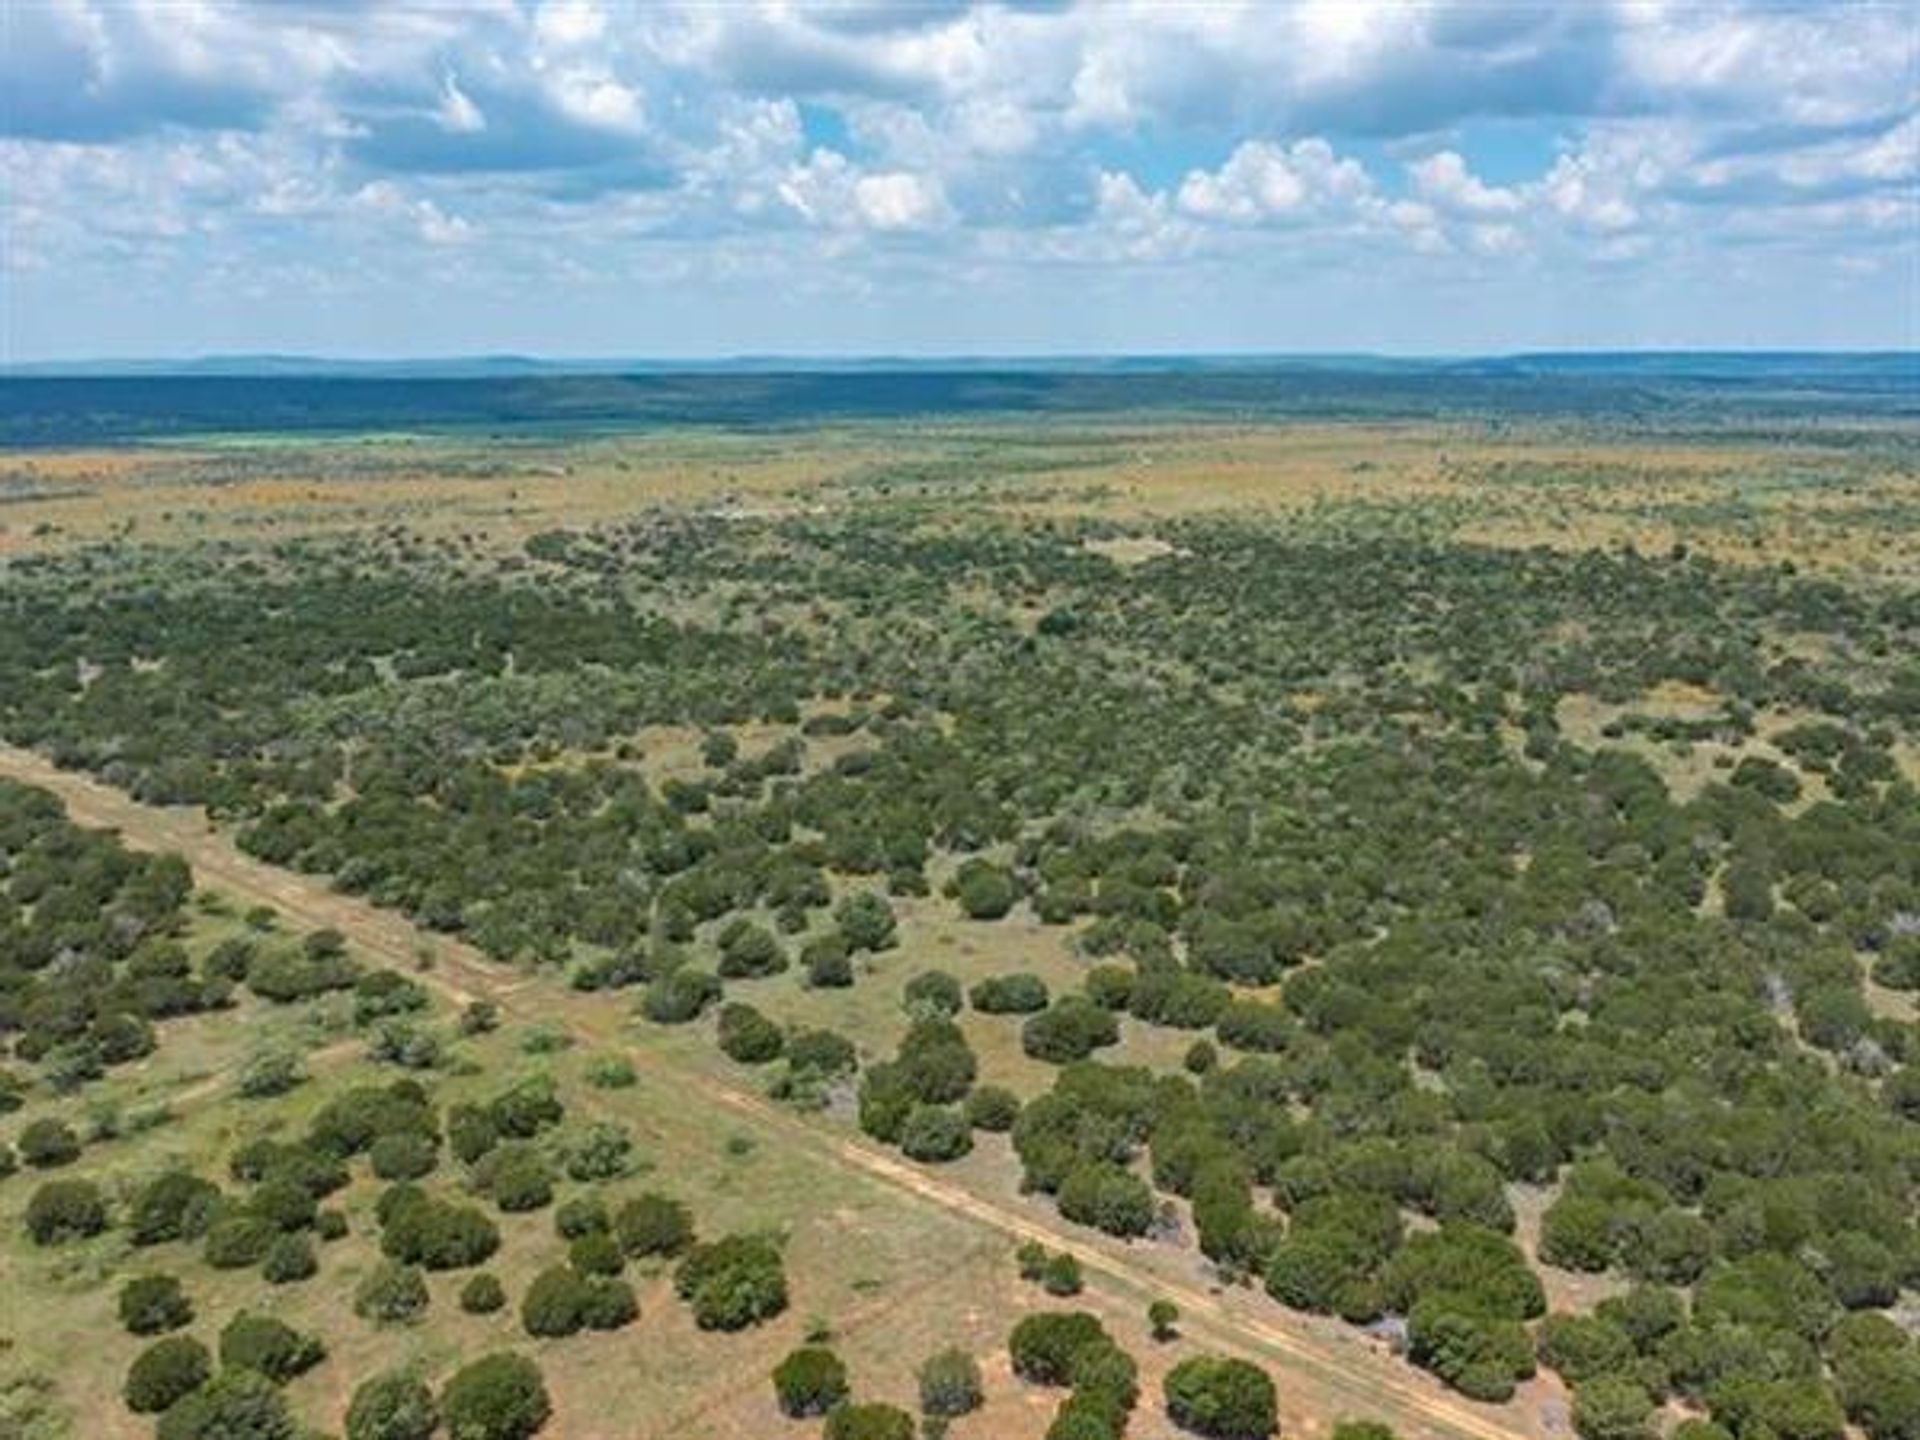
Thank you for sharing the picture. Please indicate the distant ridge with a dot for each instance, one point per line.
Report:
(1674, 363)
(513, 397)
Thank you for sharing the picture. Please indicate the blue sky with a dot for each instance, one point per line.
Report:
(565, 177)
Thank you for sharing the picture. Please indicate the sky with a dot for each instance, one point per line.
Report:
(651, 178)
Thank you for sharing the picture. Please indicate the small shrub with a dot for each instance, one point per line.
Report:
(651, 1224)
(236, 1404)
(933, 992)
(65, 1210)
(810, 1381)
(869, 1422)
(611, 1072)
(497, 1397)
(1163, 1320)
(289, 1260)
(950, 1383)
(749, 1037)
(165, 1371)
(154, 1304)
(1020, 994)
(47, 1144)
(733, 1282)
(394, 1406)
(992, 1108)
(1222, 1399)
(1043, 1347)
(263, 1344)
(935, 1133)
(482, 1294)
(391, 1294)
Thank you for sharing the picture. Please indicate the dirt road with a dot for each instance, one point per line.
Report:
(1377, 1385)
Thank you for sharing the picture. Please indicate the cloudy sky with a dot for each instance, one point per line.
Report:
(640, 177)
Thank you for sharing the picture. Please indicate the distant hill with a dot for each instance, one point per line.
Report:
(130, 402)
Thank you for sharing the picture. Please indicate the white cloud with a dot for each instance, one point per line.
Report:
(1445, 180)
(828, 190)
(1262, 181)
(458, 114)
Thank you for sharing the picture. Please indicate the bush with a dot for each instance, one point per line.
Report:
(582, 1215)
(950, 1383)
(733, 1282)
(515, 1177)
(935, 1133)
(391, 1294)
(482, 1294)
(827, 963)
(610, 1303)
(1107, 1197)
(992, 1108)
(236, 1404)
(289, 1259)
(597, 1253)
(419, 1230)
(165, 1371)
(1009, 995)
(1163, 1320)
(821, 1053)
(275, 1350)
(1222, 1399)
(1044, 1347)
(65, 1210)
(405, 1156)
(269, 1073)
(651, 1224)
(1611, 1407)
(866, 921)
(749, 951)
(985, 890)
(393, 1406)
(237, 1241)
(497, 1397)
(748, 1036)
(47, 1144)
(1061, 1275)
(601, 1150)
(472, 1132)
(152, 1304)
(555, 1304)
(869, 1422)
(284, 1203)
(680, 997)
(1072, 1029)
(932, 992)
(1106, 1379)
(611, 1072)
(174, 1206)
(810, 1381)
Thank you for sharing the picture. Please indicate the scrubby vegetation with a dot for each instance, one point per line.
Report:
(1397, 919)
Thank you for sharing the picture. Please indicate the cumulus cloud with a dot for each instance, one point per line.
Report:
(1444, 180)
(1262, 181)
(830, 191)
(1010, 132)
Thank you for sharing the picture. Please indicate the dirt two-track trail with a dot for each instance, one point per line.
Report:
(1369, 1383)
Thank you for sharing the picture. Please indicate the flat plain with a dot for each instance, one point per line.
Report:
(1488, 847)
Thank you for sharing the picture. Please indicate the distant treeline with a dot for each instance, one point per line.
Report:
(47, 410)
